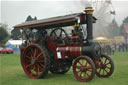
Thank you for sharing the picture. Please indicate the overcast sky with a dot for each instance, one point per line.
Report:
(15, 12)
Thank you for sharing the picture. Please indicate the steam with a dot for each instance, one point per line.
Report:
(102, 13)
(86, 3)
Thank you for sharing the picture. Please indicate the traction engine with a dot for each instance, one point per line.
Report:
(48, 47)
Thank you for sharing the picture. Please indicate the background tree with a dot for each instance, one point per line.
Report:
(125, 20)
(114, 29)
(29, 18)
(35, 18)
(16, 34)
(4, 35)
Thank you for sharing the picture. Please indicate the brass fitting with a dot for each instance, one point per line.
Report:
(89, 10)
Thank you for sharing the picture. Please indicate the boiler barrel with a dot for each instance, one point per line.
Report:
(92, 50)
(70, 51)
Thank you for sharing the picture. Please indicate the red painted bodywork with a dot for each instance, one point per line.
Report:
(0, 50)
(74, 38)
(67, 51)
(51, 44)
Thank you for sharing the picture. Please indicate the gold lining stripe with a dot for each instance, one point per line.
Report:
(80, 51)
(67, 48)
(56, 49)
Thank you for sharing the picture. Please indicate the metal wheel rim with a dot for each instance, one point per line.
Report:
(106, 67)
(33, 61)
(88, 74)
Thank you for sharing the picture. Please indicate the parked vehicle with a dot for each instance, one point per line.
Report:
(6, 51)
(1, 50)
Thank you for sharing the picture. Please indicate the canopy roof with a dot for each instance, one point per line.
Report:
(53, 22)
(102, 39)
(14, 42)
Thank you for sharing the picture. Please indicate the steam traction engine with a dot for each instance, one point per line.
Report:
(48, 47)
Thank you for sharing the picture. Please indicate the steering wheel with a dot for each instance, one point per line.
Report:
(59, 34)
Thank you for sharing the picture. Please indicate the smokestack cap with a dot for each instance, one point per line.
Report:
(89, 10)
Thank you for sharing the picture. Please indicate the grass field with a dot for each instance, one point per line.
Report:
(11, 73)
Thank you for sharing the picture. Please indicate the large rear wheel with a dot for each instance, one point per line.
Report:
(84, 68)
(35, 61)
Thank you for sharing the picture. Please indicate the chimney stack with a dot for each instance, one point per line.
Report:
(89, 20)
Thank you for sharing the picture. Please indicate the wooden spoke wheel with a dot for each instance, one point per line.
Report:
(84, 68)
(35, 61)
(105, 67)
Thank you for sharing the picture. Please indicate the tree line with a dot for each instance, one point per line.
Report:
(15, 33)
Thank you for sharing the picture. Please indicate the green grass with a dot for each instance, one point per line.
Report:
(11, 73)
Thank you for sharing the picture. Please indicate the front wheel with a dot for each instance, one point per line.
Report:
(105, 67)
(84, 68)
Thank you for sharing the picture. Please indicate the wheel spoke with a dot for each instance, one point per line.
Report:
(78, 67)
(80, 63)
(105, 60)
(108, 67)
(41, 65)
(40, 61)
(105, 70)
(87, 74)
(89, 67)
(39, 55)
(34, 67)
(32, 55)
(35, 53)
(99, 70)
(86, 63)
(27, 66)
(78, 71)
(81, 74)
(107, 63)
(37, 69)
(89, 70)
(28, 57)
(60, 34)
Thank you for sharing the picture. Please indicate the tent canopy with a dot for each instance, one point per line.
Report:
(102, 39)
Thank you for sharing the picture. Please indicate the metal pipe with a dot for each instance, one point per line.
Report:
(89, 20)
